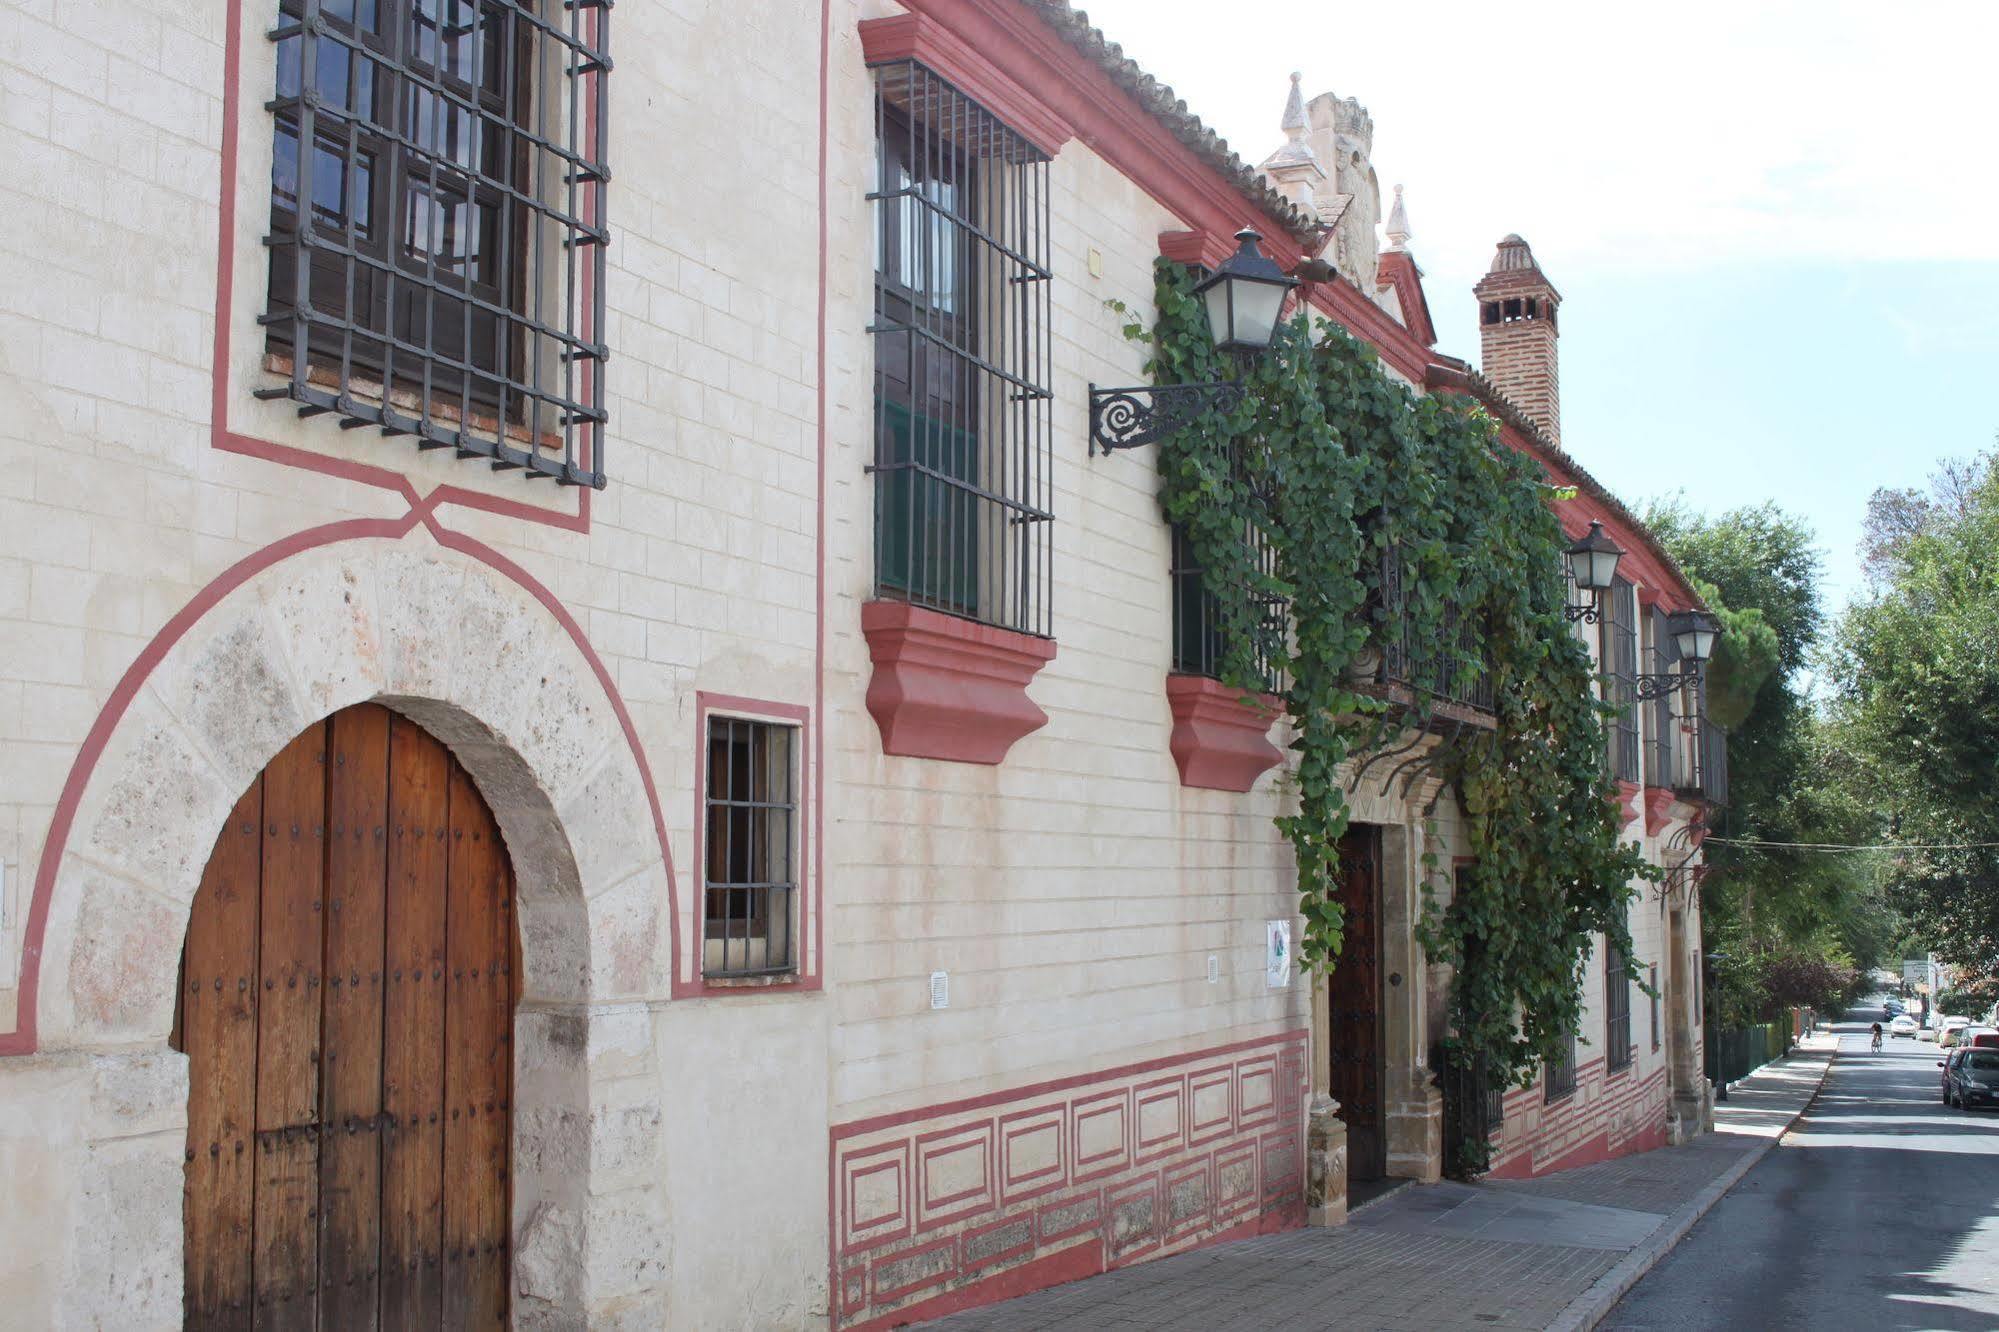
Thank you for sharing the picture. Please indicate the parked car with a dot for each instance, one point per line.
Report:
(1953, 1027)
(1979, 1038)
(1971, 1077)
(1903, 1025)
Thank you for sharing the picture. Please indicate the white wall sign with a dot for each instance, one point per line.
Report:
(940, 989)
(1277, 953)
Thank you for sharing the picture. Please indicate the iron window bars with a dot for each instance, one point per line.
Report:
(1559, 1078)
(1444, 672)
(963, 447)
(1662, 762)
(749, 849)
(1652, 998)
(1617, 1011)
(1618, 657)
(1199, 635)
(447, 279)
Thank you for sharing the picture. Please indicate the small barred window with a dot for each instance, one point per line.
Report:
(962, 424)
(1559, 1078)
(1617, 1011)
(749, 844)
(437, 224)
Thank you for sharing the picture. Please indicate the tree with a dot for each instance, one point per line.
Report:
(1916, 665)
(1777, 913)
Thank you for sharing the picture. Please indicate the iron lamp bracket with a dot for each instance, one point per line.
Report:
(1660, 685)
(1125, 418)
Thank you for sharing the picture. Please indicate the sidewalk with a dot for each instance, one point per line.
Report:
(1549, 1253)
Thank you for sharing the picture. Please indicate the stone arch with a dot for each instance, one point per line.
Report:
(478, 657)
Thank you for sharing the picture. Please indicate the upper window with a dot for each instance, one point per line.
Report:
(749, 849)
(1662, 764)
(1617, 1010)
(962, 424)
(1618, 660)
(437, 224)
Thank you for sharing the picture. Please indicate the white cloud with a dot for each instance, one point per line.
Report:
(1626, 136)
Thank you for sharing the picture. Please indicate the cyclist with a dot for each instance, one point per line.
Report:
(1877, 1035)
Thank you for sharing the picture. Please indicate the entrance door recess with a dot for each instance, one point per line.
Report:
(346, 1004)
(1354, 1007)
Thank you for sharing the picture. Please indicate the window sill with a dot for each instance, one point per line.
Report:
(1221, 741)
(1658, 809)
(444, 407)
(1629, 795)
(948, 688)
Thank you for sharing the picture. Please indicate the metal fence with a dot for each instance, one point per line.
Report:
(1736, 1052)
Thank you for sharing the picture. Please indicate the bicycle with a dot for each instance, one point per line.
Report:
(1877, 1041)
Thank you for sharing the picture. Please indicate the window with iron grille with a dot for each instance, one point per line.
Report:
(749, 849)
(1653, 999)
(1618, 660)
(444, 278)
(1559, 1078)
(1198, 639)
(1661, 766)
(1616, 1010)
(962, 420)
(1451, 666)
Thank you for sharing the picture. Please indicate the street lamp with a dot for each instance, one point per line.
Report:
(1243, 297)
(1694, 633)
(1592, 561)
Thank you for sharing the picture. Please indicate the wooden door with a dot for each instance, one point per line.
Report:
(1354, 1007)
(346, 1005)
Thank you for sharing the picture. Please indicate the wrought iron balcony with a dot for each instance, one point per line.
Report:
(1449, 670)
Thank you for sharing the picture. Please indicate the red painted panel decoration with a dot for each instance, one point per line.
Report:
(958, 1205)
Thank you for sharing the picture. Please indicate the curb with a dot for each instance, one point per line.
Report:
(1594, 1304)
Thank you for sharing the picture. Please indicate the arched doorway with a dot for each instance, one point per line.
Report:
(346, 1004)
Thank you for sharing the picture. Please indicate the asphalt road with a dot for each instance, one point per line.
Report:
(1879, 1210)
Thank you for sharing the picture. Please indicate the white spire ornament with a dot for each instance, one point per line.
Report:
(1398, 224)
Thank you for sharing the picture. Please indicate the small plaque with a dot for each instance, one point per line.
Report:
(1277, 954)
(940, 989)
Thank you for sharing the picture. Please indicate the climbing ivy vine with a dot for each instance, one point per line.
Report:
(1329, 464)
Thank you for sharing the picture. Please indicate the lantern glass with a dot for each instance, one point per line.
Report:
(1694, 633)
(1244, 297)
(1593, 560)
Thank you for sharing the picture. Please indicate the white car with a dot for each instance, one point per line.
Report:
(1902, 1025)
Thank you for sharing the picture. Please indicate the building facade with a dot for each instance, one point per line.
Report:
(586, 741)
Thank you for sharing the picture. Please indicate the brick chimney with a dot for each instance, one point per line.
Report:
(1516, 324)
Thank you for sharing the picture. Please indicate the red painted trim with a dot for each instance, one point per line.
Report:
(922, 39)
(23, 1040)
(807, 976)
(1628, 794)
(1220, 741)
(950, 688)
(221, 437)
(1070, 1264)
(897, 1118)
(1397, 269)
(1658, 809)
(1196, 249)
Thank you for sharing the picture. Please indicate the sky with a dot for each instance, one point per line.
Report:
(1774, 226)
